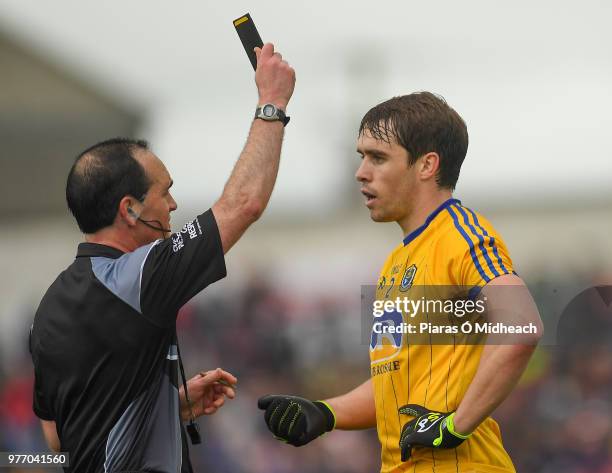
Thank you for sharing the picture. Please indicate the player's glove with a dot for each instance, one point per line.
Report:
(296, 420)
(428, 429)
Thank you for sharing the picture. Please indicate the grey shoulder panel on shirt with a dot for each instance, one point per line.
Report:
(122, 276)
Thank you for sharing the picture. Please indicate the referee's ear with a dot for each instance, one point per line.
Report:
(129, 210)
(428, 166)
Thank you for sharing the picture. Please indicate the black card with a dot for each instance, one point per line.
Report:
(249, 36)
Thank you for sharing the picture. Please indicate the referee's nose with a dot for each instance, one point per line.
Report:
(173, 205)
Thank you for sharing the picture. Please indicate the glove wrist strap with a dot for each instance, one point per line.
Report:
(450, 426)
(329, 413)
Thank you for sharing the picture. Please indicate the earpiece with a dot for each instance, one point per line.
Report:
(159, 227)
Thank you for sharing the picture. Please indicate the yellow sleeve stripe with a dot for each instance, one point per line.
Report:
(482, 237)
(504, 268)
(481, 243)
(452, 210)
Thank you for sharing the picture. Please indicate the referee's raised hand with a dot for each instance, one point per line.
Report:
(274, 77)
(247, 192)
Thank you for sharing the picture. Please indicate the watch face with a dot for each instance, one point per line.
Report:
(268, 110)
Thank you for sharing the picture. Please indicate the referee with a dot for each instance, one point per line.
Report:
(103, 340)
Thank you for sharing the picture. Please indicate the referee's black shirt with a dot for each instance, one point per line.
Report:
(104, 350)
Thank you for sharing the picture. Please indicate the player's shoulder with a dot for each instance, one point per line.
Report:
(467, 227)
(474, 246)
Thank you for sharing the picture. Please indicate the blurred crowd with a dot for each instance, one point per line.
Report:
(559, 419)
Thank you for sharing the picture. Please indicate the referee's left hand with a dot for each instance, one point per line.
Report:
(207, 392)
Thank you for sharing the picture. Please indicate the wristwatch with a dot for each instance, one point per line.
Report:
(270, 113)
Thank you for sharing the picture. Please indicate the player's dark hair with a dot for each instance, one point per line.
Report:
(100, 177)
(421, 123)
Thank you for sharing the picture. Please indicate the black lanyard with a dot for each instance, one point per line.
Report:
(193, 429)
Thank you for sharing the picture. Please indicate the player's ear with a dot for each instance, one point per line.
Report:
(429, 164)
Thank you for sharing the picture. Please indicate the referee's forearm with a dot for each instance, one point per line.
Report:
(252, 180)
(248, 189)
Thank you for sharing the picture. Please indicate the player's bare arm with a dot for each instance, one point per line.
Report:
(501, 366)
(298, 421)
(355, 409)
(250, 185)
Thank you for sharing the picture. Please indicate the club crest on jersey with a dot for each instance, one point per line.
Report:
(408, 278)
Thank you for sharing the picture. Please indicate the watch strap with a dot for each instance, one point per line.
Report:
(280, 115)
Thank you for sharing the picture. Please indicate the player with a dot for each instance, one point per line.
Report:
(430, 402)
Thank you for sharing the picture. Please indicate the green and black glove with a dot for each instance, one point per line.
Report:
(296, 420)
(428, 429)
